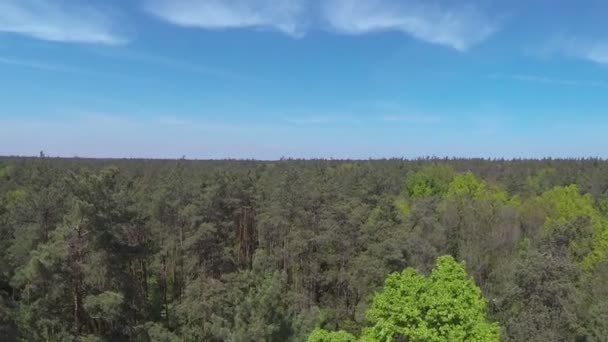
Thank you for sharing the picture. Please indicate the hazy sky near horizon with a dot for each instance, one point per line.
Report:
(293, 78)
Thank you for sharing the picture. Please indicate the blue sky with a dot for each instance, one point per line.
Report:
(293, 78)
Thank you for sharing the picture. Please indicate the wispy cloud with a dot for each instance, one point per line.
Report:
(59, 20)
(458, 26)
(282, 15)
(593, 50)
(172, 63)
(36, 65)
(548, 80)
(329, 119)
(598, 53)
(413, 119)
(61, 68)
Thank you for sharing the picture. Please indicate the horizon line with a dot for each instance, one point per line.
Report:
(287, 158)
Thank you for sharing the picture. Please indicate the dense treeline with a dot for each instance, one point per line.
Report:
(135, 250)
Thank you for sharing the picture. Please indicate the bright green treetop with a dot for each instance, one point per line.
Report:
(563, 205)
(432, 180)
(321, 335)
(446, 306)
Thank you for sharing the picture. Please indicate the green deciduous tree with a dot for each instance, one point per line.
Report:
(432, 180)
(321, 335)
(565, 206)
(445, 306)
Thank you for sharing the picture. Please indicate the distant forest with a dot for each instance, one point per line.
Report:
(303, 250)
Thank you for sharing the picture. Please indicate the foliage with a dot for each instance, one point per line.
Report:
(106, 305)
(446, 306)
(433, 180)
(320, 335)
(564, 206)
(238, 250)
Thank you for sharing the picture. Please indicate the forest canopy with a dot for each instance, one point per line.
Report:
(303, 250)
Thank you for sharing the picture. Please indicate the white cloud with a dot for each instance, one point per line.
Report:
(599, 54)
(548, 80)
(57, 20)
(457, 27)
(328, 119)
(36, 65)
(177, 64)
(412, 119)
(593, 50)
(60, 68)
(281, 15)
(596, 52)
(352, 119)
